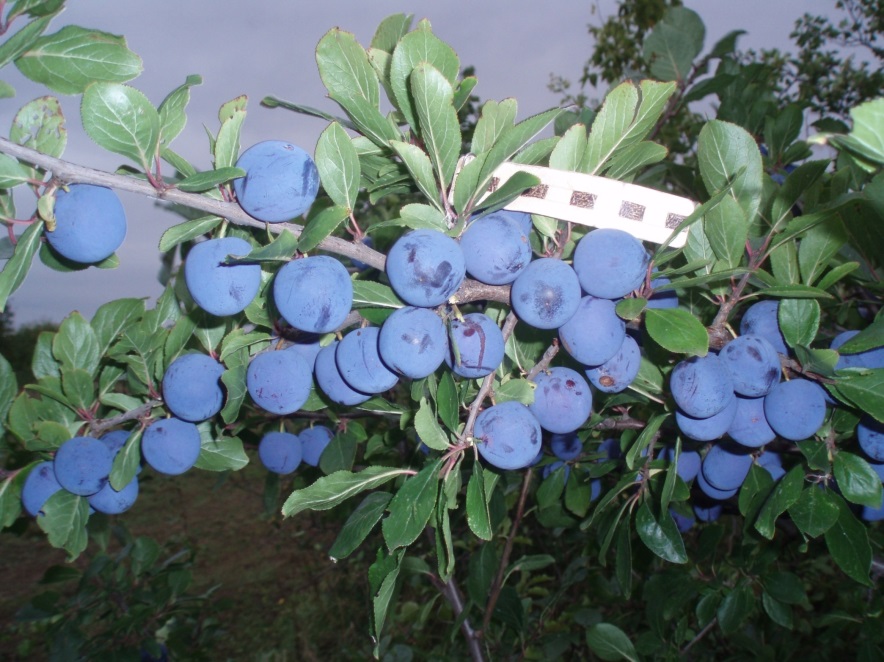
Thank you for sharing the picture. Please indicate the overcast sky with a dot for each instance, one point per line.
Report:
(264, 47)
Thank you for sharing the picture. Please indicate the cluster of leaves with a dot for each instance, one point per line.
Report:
(812, 241)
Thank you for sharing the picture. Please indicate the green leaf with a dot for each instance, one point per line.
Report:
(383, 598)
(819, 245)
(10, 497)
(321, 225)
(226, 147)
(629, 160)
(338, 165)
(340, 452)
(172, 110)
(867, 119)
(630, 309)
(76, 345)
(511, 141)
(112, 318)
(568, 152)
(478, 516)
(421, 169)
(727, 230)
(411, 507)
(520, 390)
(864, 390)
(674, 43)
(735, 608)
(344, 67)
(281, 249)
(64, 522)
(16, 268)
(418, 47)
(610, 643)
(799, 320)
(367, 294)
(797, 182)
(495, 118)
(448, 402)
(78, 387)
(784, 496)
(221, 454)
(629, 113)
(677, 330)
(367, 119)
(72, 58)
(815, 512)
(22, 40)
(416, 216)
(127, 461)
(728, 156)
(12, 173)
(360, 523)
(329, 491)
(779, 613)
(794, 291)
(511, 189)
(785, 587)
(437, 120)
(428, 428)
(40, 125)
(857, 481)
(848, 543)
(203, 181)
(661, 537)
(120, 119)
(578, 496)
(188, 230)
(869, 338)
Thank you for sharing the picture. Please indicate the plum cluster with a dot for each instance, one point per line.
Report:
(283, 452)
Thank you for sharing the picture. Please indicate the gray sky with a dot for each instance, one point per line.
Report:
(266, 47)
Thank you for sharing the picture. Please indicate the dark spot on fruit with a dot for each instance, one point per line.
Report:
(606, 381)
(753, 352)
(570, 383)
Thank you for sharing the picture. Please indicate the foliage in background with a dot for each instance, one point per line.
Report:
(482, 562)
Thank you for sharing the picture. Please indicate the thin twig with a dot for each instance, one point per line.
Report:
(507, 551)
(544, 361)
(100, 426)
(700, 635)
(451, 593)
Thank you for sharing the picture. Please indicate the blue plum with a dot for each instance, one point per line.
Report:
(425, 267)
(772, 463)
(711, 491)
(546, 294)
(683, 523)
(313, 294)
(307, 347)
(507, 435)
(479, 344)
(760, 319)
(192, 388)
(281, 181)
(495, 249)
(754, 365)
(594, 333)
(115, 440)
(726, 466)
(701, 386)
(795, 409)
(750, 427)
(82, 465)
(871, 437)
(871, 358)
(550, 468)
(562, 400)
(279, 381)
(688, 465)
(40, 484)
(662, 298)
(566, 446)
(706, 429)
(330, 381)
(413, 342)
(610, 263)
(171, 446)
(90, 223)
(280, 452)
(113, 502)
(707, 513)
(314, 441)
(619, 371)
(360, 363)
(610, 447)
(218, 288)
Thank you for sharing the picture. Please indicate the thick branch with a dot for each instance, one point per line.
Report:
(99, 427)
(451, 593)
(71, 173)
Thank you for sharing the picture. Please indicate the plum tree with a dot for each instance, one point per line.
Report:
(471, 280)
(192, 388)
(425, 267)
(281, 181)
(217, 287)
(610, 263)
(90, 223)
(546, 294)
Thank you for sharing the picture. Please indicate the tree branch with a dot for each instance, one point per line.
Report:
(452, 594)
(99, 426)
(71, 173)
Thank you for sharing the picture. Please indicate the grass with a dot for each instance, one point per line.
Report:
(280, 596)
